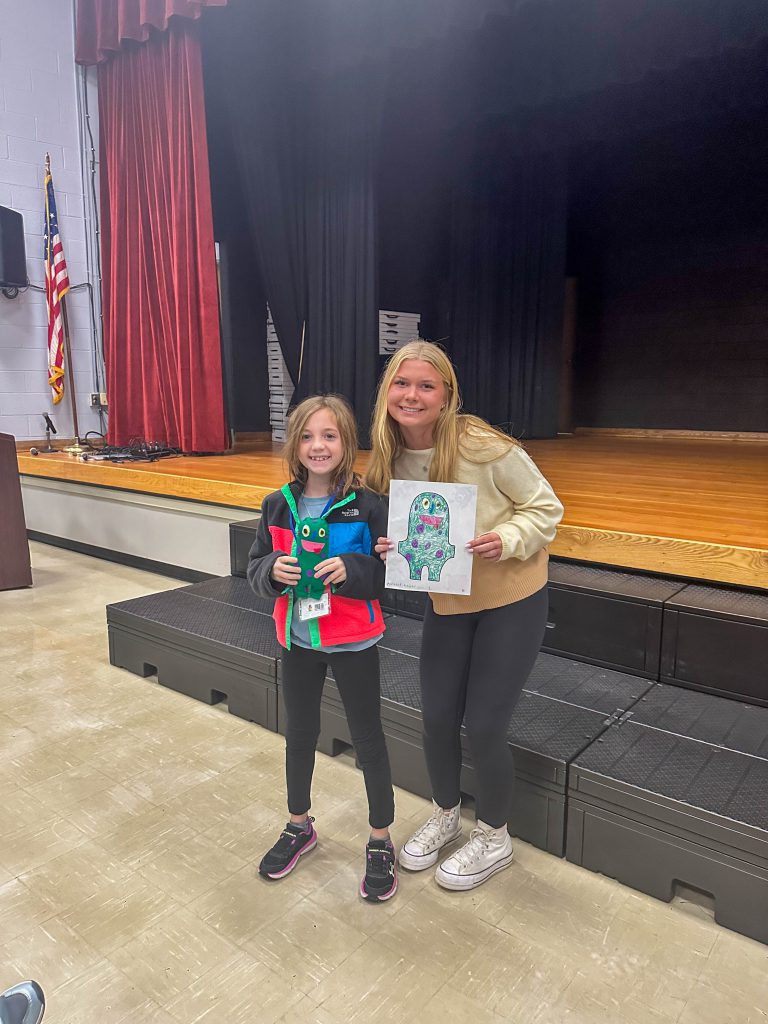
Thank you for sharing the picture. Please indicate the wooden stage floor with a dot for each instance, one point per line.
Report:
(686, 506)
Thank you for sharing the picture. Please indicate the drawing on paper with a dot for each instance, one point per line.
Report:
(427, 542)
(430, 523)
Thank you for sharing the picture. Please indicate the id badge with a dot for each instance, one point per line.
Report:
(314, 607)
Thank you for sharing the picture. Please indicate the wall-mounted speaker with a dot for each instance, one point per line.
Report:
(13, 260)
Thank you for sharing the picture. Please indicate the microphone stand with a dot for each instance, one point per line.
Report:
(48, 446)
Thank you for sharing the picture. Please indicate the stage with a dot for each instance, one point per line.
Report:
(692, 505)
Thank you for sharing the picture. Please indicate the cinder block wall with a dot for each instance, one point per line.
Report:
(39, 114)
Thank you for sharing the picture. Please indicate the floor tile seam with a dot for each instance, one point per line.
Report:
(609, 1009)
(236, 952)
(270, 923)
(162, 802)
(323, 967)
(109, 949)
(41, 863)
(101, 842)
(372, 938)
(494, 1016)
(105, 958)
(32, 927)
(61, 800)
(487, 937)
(186, 903)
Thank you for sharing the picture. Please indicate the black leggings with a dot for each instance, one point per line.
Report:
(356, 674)
(473, 668)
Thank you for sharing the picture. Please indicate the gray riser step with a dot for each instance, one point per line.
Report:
(654, 809)
(545, 735)
(717, 640)
(203, 647)
(711, 638)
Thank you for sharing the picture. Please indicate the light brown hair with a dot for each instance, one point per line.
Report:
(453, 433)
(344, 479)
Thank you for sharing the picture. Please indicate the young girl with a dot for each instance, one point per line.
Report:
(324, 513)
(477, 650)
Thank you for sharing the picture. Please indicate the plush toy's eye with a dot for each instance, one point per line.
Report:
(425, 503)
(305, 531)
(321, 533)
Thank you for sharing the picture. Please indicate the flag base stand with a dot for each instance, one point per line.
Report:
(78, 448)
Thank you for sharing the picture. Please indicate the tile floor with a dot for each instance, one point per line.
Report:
(131, 823)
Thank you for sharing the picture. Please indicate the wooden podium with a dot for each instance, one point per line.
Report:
(15, 569)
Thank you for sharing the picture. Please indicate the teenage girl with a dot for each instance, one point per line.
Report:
(477, 650)
(325, 510)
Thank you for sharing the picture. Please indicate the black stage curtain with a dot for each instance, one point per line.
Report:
(506, 287)
(302, 87)
(305, 177)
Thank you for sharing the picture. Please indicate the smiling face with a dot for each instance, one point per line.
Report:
(320, 450)
(415, 400)
(430, 510)
(313, 535)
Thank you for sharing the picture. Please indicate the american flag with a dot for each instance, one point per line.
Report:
(56, 287)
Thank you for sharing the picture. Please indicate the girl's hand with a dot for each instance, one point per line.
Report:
(488, 545)
(286, 570)
(382, 546)
(331, 571)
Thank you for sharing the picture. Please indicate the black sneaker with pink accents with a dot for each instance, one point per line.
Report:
(380, 880)
(294, 842)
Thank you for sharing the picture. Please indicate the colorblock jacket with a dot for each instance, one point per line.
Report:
(352, 531)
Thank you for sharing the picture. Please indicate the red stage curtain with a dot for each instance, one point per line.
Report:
(104, 25)
(159, 287)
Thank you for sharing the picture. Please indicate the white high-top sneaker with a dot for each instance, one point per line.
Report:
(422, 849)
(489, 850)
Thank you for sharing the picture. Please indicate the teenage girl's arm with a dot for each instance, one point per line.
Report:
(363, 574)
(537, 511)
(533, 524)
(269, 571)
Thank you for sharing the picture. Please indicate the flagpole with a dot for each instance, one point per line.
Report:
(52, 285)
(77, 448)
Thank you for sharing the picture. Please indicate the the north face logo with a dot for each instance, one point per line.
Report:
(350, 512)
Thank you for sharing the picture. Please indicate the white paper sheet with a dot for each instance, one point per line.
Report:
(430, 524)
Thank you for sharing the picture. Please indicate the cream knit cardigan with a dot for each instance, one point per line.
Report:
(513, 500)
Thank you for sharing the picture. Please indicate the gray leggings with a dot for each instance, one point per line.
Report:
(473, 669)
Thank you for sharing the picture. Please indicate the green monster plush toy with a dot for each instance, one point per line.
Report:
(310, 545)
(311, 549)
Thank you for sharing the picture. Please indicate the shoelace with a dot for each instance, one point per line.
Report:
(380, 862)
(478, 844)
(287, 839)
(432, 829)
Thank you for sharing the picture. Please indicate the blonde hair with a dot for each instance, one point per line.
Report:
(453, 433)
(344, 478)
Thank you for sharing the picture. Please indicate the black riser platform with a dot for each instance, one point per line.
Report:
(653, 808)
(636, 852)
(616, 634)
(538, 812)
(207, 679)
(649, 783)
(716, 655)
(629, 622)
(545, 735)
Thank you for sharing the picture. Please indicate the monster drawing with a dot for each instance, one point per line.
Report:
(427, 542)
(311, 548)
